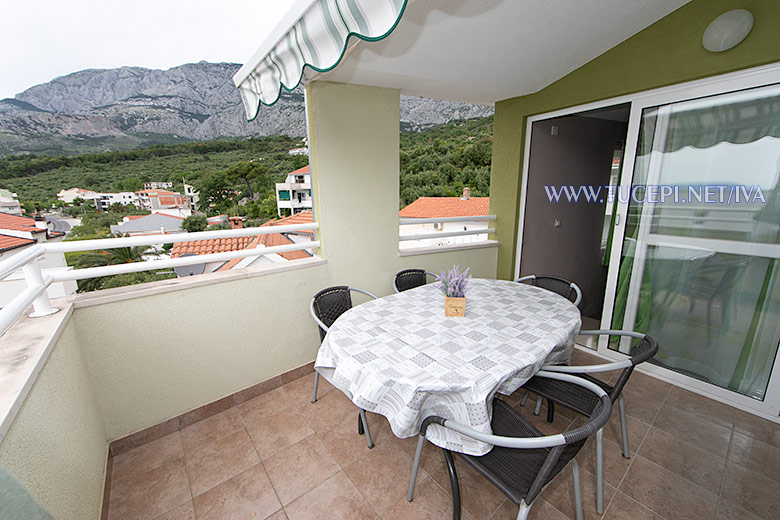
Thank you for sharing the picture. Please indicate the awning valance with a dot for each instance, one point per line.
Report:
(317, 40)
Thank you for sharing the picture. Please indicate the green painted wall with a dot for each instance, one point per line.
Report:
(666, 53)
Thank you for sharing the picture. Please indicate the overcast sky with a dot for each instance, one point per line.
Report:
(41, 40)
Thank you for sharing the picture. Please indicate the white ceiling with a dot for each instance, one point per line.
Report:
(483, 51)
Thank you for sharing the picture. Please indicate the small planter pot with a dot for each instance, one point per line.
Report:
(454, 306)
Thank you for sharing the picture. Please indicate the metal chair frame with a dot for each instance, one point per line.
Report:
(362, 420)
(614, 392)
(557, 442)
(410, 272)
(574, 286)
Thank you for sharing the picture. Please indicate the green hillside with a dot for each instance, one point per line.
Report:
(438, 161)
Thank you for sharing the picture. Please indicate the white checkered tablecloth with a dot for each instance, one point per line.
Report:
(399, 356)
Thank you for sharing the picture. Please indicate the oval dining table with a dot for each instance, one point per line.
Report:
(401, 357)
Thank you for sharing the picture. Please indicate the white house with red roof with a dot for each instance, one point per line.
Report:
(71, 194)
(17, 233)
(444, 207)
(295, 192)
(156, 199)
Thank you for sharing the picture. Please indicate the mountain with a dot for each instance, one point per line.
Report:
(118, 109)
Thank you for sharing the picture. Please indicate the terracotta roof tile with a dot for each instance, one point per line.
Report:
(305, 169)
(304, 217)
(17, 223)
(8, 242)
(437, 207)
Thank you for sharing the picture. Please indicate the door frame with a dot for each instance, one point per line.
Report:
(754, 77)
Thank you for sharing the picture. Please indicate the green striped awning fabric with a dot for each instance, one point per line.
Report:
(318, 40)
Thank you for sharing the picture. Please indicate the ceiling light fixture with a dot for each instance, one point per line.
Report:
(727, 30)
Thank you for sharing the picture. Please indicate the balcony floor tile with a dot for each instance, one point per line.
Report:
(278, 456)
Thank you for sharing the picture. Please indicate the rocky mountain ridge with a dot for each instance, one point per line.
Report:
(113, 109)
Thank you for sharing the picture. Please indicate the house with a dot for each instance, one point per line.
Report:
(17, 233)
(192, 194)
(71, 194)
(444, 207)
(155, 199)
(154, 224)
(103, 201)
(157, 185)
(9, 203)
(219, 245)
(563, 76)
(294, 193)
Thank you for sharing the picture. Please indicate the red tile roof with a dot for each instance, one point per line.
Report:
(212, 245)
(17, 223)
(221, 245)
(304, 217)
(305, 169)
(437, 207)
(8, 242)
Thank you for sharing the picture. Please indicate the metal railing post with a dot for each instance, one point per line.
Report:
(33, 276)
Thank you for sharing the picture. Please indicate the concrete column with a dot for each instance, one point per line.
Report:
(354, 143)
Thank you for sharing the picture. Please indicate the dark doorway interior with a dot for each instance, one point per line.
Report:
(568, 238)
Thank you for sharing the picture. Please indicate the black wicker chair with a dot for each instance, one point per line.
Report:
(410, 278)
(581, 401)
(555, 284)
(523, 460)
(325, 307)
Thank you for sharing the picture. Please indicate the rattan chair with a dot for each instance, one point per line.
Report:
(325, 307)
(555, 284)
(581, 401)
(523, 460)
(410, 278)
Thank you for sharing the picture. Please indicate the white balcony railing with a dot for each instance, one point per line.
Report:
(444, 220)
(37, 282)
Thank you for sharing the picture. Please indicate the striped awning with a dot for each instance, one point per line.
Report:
(317, 40)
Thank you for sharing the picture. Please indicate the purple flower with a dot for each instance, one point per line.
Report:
(454, 283)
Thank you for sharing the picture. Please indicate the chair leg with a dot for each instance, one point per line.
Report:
(415, 467)
(524, 399)
(538, 406)
(623, 426)
(522, 514)
(600, 471)
(453, 484)
(550, 411)
(575, 473)
(316, 384)
(363, 425)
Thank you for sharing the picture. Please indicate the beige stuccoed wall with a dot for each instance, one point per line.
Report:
(56, 447)
(159, 356)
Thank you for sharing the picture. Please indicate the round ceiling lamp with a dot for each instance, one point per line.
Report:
(727, 30)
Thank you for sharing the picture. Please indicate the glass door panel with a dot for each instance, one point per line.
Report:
(699, 265)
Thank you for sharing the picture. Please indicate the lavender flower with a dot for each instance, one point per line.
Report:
(454, 283)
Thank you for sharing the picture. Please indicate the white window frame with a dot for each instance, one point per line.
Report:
(754, 77)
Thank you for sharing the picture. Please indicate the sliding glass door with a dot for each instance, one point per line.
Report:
(699, 263)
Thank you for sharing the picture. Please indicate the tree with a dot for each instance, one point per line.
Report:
(215, 193)
(246, 171)
(194, 223)
(102, 257)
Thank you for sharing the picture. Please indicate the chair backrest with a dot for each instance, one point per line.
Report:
(409, 279)
(556, 284)
(641, 352)
(543, 457)
(330, 303)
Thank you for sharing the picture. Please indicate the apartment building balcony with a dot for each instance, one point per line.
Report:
(191, 397)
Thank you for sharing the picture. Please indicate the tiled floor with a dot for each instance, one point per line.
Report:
(279, 456)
